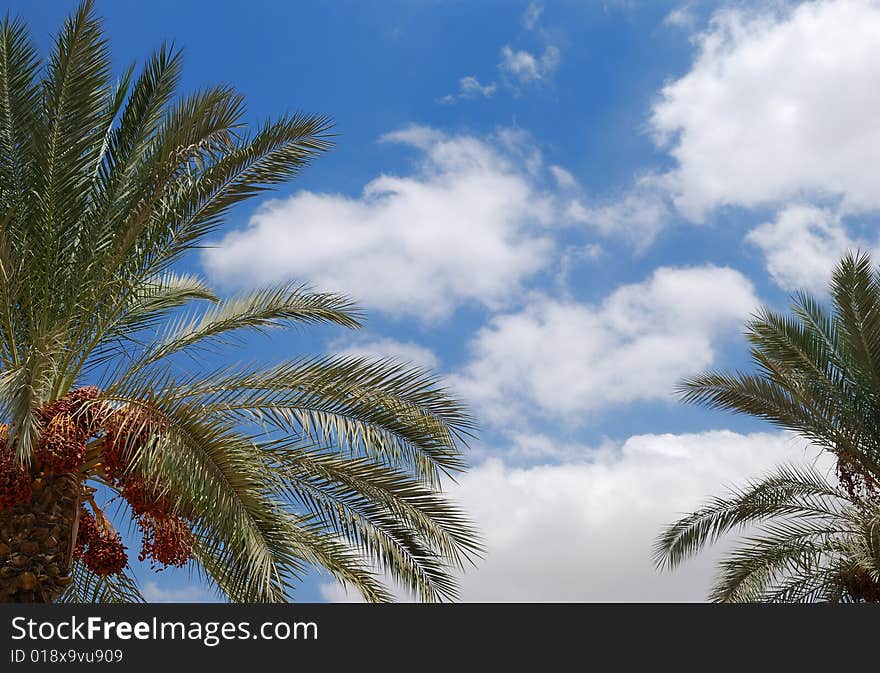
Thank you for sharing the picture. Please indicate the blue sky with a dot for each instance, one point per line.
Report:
(564, 207)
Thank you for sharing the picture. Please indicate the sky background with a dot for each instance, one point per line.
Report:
(563, 207)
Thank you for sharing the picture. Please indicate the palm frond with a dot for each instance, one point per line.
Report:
(259, 310)
(68, 136)
(87, 587)
(19, 106)
(406, 529)
(855, 290)
(788, 491)
(202, 197)
(787, 554)
(395, 413)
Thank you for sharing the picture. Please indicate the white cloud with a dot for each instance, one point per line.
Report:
(571, 257)
(564, 358)
(535, 447)
(636, 216)
(802, 246)
(583, 531)
(527, 68)
(401, 351)
(681, 17)
(777, 106)
(335, 592)
(563, 177)
(520, 64)
(468, 88)
(153, 593)
(550, 60)
(518, 145)
(424, 138)
(532, 15)
(469, 225)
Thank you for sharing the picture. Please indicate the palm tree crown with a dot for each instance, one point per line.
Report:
(249, 475)
(818, 375)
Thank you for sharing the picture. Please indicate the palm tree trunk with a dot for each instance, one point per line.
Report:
(36, 541)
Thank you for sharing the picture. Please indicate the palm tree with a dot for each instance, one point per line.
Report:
(818, 375)
(248, 475)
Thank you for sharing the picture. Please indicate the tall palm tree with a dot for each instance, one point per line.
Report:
(248, 475)
(818, 375)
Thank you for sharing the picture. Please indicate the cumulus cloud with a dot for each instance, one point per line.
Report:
(778, 105)
(468, 225)
(802, 246)
(524, 67)
(562, 358)
(401, 351)
(468, 88)
(583, 531)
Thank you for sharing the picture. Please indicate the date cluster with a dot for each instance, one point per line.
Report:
(81, 436)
